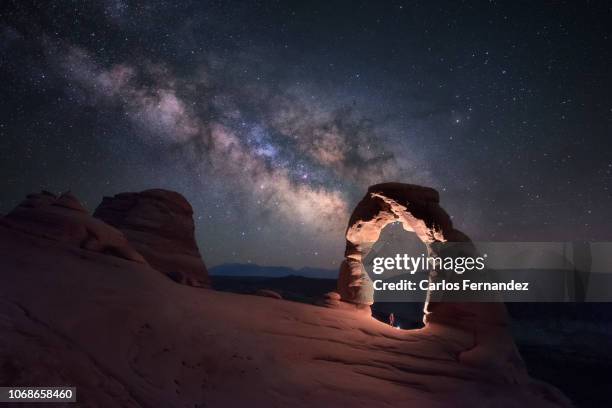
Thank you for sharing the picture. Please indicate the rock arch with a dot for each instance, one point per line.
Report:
(415, 207)
(418, 210)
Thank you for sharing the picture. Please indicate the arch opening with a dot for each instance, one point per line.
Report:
(406, 314)
(417, 210)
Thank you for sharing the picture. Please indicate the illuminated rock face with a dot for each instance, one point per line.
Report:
(418, 210)
(159, 224)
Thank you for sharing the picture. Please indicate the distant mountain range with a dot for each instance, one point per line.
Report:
(236, 269)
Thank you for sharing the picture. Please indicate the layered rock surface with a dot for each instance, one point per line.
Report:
(417, 209)
(126, 336)
(64, 219)
(159, 224)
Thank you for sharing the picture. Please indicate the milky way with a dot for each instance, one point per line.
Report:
(272, 119)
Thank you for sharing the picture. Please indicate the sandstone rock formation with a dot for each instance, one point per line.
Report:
(417, 209)
(330, 299)
(64, 219)
(333, 300)
(125, 336)
(159, 224)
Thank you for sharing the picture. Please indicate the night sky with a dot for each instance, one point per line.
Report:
(273, 118)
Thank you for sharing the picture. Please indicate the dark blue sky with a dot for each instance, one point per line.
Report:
(272, 118)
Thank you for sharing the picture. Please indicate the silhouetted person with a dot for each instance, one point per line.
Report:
(392, 320)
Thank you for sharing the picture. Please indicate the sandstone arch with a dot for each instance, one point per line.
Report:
(415, 207)
(418, 210)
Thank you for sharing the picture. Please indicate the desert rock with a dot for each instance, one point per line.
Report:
(417, 209)
(124, 335)
(64, 219)
(268, 293)
(159, 224)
